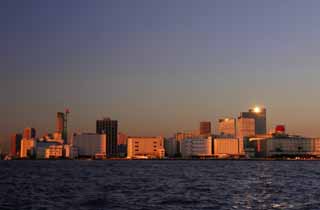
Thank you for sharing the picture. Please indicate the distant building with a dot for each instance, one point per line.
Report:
(224, 147)
(205, 128)
(227, 127)
(122, 144)
(110, 129)
(70, 151)
(41, 148)
(286, 146)
(245, 127)
(171, 147)
(29, 133)
(195, 147)
(260, 117)
(15, 145)
(54, 151)
(145, 147)
(60, 122)
(184, 135)
(28, 147)
(90, 145)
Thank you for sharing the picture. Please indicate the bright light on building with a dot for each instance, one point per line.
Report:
(257, 109)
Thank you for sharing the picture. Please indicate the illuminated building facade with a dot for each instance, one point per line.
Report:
(260, 117)
(228, 147)
(145, 147)
(29, 133)
(227, 127)
(245, 127)
(205, 128)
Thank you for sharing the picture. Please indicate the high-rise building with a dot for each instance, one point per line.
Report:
(205, 128)
(15, 144)
(29, 133)
(110, 129)
(227, 127)
(28, 147)
(60, 122)
(260, 117)
(245, 127)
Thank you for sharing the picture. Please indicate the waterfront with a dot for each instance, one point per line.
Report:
(189, 184)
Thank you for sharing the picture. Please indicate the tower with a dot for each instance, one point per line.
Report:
(110, 129)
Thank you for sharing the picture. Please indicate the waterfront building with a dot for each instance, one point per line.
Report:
(184, 135)
(145, 147)
(171, 147)
(60, 120)
(54, 151)
(90, 144)
(29, 133)
(205, 128)
(196, 147)
(122, 144)
(110, 129)
(15, 144)
(245, 127)
(225, 147)
(41, 148)
(260, 117)
(283, 146)
(27, 148)
(70, 151)
(227, 127)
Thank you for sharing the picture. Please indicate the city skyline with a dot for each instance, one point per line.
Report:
(158, 67)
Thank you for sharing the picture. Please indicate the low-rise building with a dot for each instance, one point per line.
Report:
(145, 147)
(228, 147)
(54, 151)
(196, 147)
(282, 146)
(90, 144)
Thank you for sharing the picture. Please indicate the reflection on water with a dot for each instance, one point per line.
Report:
(159, 185)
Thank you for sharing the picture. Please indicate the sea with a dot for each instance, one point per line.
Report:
(159, 184)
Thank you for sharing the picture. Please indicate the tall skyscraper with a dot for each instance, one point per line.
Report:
(110, 128)
(15, 144)
(205, 128)
(29, 133)
(60, 122)
(227, 127)
(260, 117)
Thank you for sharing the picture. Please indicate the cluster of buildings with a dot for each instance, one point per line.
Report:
(242, 137)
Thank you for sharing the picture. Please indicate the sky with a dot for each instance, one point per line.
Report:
(158, 66)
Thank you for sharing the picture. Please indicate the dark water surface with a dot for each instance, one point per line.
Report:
(159, 185)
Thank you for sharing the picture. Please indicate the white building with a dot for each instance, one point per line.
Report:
(191, 147)
(145, 147)
(28, 147)
(90, 144)
(223, 147)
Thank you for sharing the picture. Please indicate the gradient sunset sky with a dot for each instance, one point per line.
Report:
(158, 66)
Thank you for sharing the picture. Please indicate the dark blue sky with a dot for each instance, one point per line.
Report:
(158, 66)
